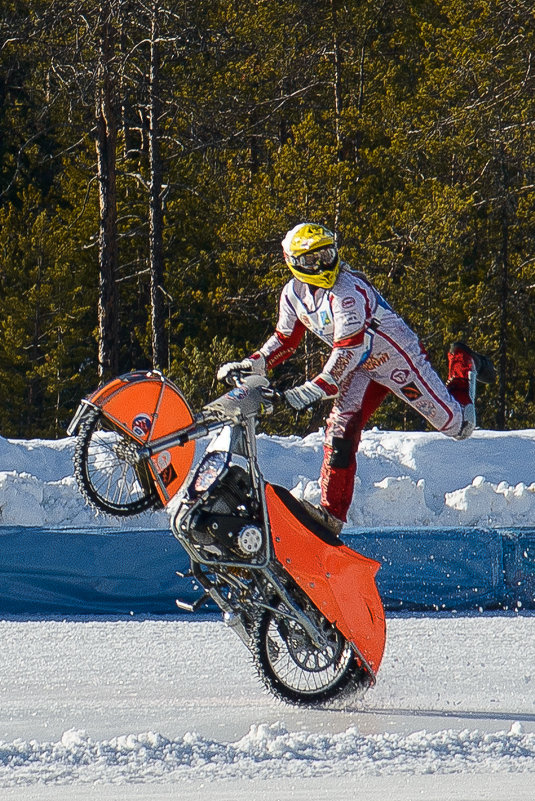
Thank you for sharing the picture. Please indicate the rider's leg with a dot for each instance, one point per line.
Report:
(350, 413)
(402, 367)
(405, 369)
(465, 368)
(461, 384)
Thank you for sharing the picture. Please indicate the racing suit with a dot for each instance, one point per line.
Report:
(373, 352)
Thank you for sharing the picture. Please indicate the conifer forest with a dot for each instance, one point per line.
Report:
(153, 153)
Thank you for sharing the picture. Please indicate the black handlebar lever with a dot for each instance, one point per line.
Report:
(235, 377)
(273, 395)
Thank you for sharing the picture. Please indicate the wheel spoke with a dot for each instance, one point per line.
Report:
(294, 666)
(107, 472)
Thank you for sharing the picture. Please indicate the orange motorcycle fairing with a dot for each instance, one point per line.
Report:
(338, 580)
(146, 405)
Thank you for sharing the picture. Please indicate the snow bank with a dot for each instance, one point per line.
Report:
(266, 752)
(38, 488)
(421, 479)
(409, 479)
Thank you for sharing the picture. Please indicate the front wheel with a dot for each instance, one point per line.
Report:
(107, 471)
(293, 668)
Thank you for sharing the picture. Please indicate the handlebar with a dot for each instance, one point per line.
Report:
(235, 378)
(273, 395)
(204, 423)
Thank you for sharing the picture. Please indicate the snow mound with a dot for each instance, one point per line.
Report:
(267, 751)
(409, 479)
(38, 488)
(421, 479)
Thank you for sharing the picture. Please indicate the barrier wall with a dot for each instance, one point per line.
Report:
(436, 569)
(519, 567)
(70, 571)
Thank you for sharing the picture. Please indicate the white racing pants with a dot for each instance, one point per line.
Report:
(397, 363)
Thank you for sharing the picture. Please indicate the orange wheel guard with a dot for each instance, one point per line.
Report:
(339, 581)
(147, 406)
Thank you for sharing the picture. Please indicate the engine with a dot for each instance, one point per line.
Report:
(226, 525)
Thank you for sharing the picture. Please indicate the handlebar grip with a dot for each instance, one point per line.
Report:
(234, 377)
(195, 431)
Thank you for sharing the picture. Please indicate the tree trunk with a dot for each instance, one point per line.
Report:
(504, 314)
(159, 339)
(337, 104)
(503, 356)
(106, 141)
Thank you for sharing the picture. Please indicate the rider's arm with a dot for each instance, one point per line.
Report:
(350, 313)
(278, 348)
(288, 334)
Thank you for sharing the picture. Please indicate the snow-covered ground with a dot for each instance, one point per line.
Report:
(145, 708)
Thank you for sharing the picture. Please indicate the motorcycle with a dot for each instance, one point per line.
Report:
(304, 604)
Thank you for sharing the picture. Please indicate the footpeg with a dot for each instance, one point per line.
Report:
(187, 607)
(180, 574)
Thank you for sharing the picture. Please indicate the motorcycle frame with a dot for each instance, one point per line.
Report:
(242, 443)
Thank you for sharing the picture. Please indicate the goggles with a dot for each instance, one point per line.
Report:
(315, 262)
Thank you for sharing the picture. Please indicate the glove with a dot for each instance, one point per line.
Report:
(255, 364)
(302, 396)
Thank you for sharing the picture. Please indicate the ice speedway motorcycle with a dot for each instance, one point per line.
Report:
(305, 605)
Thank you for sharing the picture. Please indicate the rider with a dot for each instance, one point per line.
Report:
(373, 353)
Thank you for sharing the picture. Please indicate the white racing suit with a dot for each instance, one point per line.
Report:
(373, 352)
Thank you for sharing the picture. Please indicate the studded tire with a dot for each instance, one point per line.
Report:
(107, 472)
(295, 670)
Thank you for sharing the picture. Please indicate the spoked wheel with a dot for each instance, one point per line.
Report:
(107, 471)
(294, 668)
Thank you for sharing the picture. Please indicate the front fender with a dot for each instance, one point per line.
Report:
(147, 407)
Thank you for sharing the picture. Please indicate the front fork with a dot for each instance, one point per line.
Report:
(234, 611)
(84, 408)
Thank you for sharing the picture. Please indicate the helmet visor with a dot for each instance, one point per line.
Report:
(315, 262)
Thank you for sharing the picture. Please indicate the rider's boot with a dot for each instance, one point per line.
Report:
(466, 367)
(324, 517)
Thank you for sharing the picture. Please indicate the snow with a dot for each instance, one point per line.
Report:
(419, 479)
(97, 705)
(137, 707)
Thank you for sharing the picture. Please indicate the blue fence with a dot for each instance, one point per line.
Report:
(71, 571)
(446, 569)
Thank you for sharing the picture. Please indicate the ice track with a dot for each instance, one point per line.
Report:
(147, 708)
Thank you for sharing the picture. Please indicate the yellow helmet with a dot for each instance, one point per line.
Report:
(311, 254)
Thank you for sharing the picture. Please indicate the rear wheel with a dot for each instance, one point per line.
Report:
(297, 670)
(107, 471)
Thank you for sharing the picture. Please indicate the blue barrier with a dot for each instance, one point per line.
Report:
(435, 569)
(110, 571)
(44, 571)
(519, 567)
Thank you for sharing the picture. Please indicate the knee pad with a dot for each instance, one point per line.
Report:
(342, 452)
